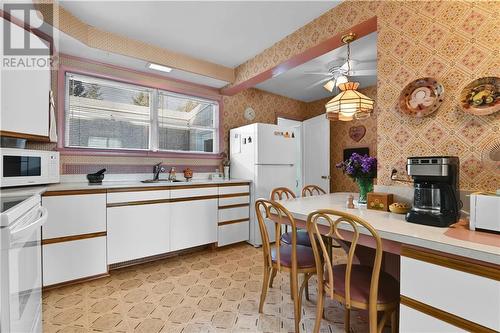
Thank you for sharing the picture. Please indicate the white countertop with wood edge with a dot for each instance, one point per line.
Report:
(394, 227)
(131, 185)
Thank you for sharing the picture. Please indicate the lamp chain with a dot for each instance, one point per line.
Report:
(348, 58)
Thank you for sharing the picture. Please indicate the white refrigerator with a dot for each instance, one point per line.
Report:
(264, 154)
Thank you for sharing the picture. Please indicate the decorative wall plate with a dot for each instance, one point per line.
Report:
(249, 114)
(482, 96)
(357, 132)
(490, 156)
(421, 97)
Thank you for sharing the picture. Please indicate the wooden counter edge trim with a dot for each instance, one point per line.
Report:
(76, 281)
(73, 238)
(233, 221)
(234, 184)
(467, 266)
(232, 195)
(235, 206)
(50, 193)
(30, 137)
(160, 188)
(450, 318)
(158, 201)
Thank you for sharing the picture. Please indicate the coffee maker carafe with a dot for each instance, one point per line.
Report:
(436, 199)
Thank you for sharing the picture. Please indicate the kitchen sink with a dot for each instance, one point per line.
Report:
(161, 180)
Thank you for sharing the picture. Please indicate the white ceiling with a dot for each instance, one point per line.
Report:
(299, 85)
(223, 32)
(72, 46)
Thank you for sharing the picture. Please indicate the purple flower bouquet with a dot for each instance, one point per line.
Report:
(362, 169)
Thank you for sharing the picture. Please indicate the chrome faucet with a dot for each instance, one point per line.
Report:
(157, 168)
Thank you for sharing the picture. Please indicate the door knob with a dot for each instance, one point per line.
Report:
(325, 177)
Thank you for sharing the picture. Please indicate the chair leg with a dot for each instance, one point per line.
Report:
(320, 311)
(306, 278)
(291, 289)
(265, 283)
(394, 321)
(273, 275)
(347, 320)
(383, 320)
(296, 301)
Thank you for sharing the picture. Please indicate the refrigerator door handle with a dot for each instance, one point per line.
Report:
(275, 164)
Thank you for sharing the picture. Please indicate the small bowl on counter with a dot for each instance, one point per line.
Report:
(399, 207)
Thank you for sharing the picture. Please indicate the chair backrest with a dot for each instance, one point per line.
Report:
(311, 190)
(326, 222)
(281, 193)
(275, 212)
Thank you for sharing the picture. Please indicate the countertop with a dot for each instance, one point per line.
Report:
(394, 227)
(75, 186)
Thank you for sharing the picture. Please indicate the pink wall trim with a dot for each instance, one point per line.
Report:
(328, 45)
(103, 152)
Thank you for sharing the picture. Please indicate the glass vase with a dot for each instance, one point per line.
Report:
(365, 185)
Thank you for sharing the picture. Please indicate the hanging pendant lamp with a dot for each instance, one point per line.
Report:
(349, 104)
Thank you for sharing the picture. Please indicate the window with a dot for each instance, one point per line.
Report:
(106, 114)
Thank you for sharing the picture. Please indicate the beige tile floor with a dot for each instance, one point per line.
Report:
(206, 291)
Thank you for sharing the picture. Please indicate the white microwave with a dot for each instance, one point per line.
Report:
(20, 167)
(485, 212)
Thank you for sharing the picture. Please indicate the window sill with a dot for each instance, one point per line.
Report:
(136, 153)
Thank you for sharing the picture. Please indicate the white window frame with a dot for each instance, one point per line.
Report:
(153, 145)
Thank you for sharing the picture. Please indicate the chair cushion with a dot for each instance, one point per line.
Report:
(305, 256)
(388, 290)
(302, 238)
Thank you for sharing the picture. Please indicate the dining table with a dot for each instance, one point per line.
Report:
(432, 264)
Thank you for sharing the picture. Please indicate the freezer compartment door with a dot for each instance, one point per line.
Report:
(276, 145)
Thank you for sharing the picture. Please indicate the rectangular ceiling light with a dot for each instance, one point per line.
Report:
(159, 67)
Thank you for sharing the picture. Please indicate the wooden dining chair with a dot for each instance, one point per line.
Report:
(311, 190)
(278, 257)
(353, 285)
(284, 193)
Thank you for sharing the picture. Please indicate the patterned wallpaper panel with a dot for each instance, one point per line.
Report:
(454, 41)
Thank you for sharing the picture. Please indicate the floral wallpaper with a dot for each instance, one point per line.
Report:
(453, 41)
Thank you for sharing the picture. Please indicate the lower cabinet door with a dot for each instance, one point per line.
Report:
(233, 233)
(137, 231)
(413, 321)
(68, 261)
(193, 223)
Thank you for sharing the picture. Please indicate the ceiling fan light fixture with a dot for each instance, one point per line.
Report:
(349, 104)
(341, 79)
(330, 85)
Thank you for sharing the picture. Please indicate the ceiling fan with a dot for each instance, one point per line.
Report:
(340, 70)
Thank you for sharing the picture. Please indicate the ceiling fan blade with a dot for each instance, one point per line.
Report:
(318, 73)
(317, 83)
(363, 72)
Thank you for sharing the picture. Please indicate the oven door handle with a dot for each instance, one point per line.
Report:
(17, 233)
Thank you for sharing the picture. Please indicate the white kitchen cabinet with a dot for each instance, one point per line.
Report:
(74, 237)
(193, 223)
(233, 214)
(25, 95)
(71, 215)
(138, 231)
(478, 299)
(74, 260)
(413, 321)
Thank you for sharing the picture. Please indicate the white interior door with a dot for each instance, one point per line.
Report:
(297, 129)
(316, 152)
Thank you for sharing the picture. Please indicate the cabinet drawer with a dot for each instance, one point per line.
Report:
(413, 321)
(233, 233)
(234, 201)
(193, 192)
(234, 189)
(439, 286)
(74, 215)
(124, 197)
(67, 261)
(231, 214)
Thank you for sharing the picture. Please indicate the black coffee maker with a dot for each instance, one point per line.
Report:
(437, 199)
